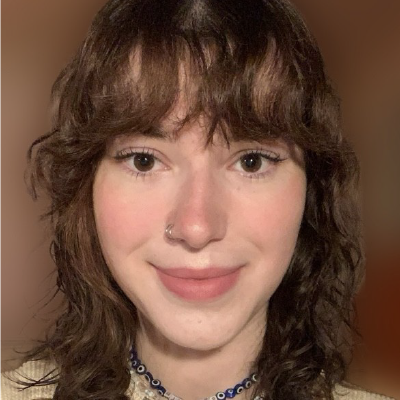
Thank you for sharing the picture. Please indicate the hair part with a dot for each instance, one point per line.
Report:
(254, 72)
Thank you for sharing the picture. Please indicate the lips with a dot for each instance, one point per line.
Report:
(198, 284)
(192, 273)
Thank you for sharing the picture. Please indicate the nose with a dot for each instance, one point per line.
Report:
(200, 213)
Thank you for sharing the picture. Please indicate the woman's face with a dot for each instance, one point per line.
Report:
(236, 214)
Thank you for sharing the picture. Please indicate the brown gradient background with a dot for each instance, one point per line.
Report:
(360, 41)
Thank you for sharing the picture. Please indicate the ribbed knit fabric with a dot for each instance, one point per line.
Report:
(35, 370)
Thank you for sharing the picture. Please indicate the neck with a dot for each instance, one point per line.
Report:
(195, 374)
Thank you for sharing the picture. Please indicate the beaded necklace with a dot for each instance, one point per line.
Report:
(139, 368)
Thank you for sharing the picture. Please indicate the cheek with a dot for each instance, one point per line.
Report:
(274, 221)
(124, 220)
(273, 229)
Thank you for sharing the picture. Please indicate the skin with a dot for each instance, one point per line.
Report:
(223, 216)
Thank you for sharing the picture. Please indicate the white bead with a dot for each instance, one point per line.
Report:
(141, 368)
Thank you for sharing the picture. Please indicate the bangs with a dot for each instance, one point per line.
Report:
(250, 78)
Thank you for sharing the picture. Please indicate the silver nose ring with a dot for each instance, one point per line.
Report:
(168, 231)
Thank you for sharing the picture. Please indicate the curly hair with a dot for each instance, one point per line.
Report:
(257, 74)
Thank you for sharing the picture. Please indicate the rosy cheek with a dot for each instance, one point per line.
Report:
(124, 219)
(276, 223)
(289, 207)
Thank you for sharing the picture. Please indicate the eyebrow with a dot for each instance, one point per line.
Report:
(172, 136)
(160, 133)
(157, 132)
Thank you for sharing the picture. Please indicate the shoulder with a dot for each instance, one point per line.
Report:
(28, 372)
(32, 371)
(347, 391)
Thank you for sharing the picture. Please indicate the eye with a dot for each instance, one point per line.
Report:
(256, 163)
(141, 162)
(251, 162)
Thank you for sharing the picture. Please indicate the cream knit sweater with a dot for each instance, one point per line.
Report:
(37, 369)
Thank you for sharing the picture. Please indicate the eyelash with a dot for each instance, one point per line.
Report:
(126, 154)
(269, 156)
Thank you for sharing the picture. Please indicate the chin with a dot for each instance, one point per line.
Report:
(195, 332)
(203, 341)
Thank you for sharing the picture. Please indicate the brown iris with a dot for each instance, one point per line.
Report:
(251, 162)
(143, 162)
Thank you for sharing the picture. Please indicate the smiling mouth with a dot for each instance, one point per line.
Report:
(198, 284)
(193, 273)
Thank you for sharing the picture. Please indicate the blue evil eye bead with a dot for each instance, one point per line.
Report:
(220, 396)
(254, 377)
(229, 393)
(239, 388)
(141, 369)
(148, 376)
(246, 383)
(155, 383)
(161, 390)
(133, 353)
(135, 363)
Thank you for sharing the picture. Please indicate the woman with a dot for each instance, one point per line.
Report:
(206, 234)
